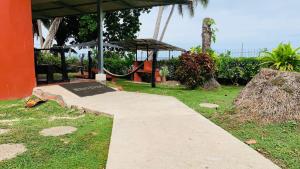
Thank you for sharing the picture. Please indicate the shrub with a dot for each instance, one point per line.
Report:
(237, 70)
(164, 71)
(284, 58)
(194, 69)
(172, 65)
(118, 62)
(48, 58)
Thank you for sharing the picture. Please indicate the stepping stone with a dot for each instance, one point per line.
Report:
(209, 105)
(65, 118)
(9, 151)
(58, 131)
(3, 131)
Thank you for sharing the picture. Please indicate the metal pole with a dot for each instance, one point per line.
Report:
(136, 53)
(154, 63)
(147, 52)
(100, 36)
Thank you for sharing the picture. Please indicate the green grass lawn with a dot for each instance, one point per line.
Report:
(86, 148)
(280, 142)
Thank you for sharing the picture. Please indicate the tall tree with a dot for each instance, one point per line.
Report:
(52, 32)
(181, 9)
(118, 25)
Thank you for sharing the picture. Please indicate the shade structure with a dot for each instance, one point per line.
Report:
(55, 8)
(147, 44)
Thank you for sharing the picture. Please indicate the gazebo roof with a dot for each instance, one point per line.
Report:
(56, 8)
(147, 44)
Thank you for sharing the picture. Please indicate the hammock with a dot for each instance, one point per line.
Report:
(126, 75)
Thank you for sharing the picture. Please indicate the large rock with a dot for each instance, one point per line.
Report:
(271, 96)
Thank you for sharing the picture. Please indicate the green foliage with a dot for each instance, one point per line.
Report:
(284, 58)
(172, 65)
(90, 142)
(118, 25)
(210, 52)
(212, 23)
(118, 62)
(237, 70)
(48, 58)
(194, 69)
(164, 71)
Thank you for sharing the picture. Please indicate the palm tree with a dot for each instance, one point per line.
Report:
(52, 32)
(190, 7)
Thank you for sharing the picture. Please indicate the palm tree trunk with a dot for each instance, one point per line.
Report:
(157, 28)
(52, 32)
(167, 23)
(158, 22)
(40, 32)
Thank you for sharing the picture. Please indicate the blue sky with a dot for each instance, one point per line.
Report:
(255, 23)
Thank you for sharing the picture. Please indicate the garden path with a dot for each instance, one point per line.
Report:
(160, 132)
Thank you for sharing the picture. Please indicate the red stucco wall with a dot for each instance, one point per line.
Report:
(17, 76)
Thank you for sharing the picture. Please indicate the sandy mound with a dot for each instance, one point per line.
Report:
(58, 131)
(9, 151)
(271, 96)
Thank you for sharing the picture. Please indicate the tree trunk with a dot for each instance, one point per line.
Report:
(206, 35)
(157, 28)
(211, 83)
(52, 32)
(167, 23)
(40, 32)
(158, 22)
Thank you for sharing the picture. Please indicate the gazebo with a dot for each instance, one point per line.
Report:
(16, 41)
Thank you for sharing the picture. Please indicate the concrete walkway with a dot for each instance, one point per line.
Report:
(160, 132)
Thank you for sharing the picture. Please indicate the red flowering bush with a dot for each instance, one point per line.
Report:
(194, 69)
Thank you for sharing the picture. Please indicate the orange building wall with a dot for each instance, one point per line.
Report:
(17, 75)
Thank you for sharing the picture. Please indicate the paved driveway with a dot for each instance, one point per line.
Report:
(160, 132)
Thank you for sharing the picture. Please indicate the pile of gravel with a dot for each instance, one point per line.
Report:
(271, 96)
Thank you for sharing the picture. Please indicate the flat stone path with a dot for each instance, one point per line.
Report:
(58, 131)
(10, 151)
(160, 132)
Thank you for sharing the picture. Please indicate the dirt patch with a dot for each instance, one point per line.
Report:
(9, 151)
(271, 96)
(58, 131)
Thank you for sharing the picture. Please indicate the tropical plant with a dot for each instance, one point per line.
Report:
(237, 70)
(195, 69)
(284, 58)
(164, 72)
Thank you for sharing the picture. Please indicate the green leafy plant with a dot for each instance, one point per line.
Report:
(172, 65)
(164, 71)
(284, 58)
(241, 70)
(214, 29)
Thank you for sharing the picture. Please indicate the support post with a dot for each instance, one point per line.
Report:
(136, 53)
(65, 77)
(154, 63)
(90, 65)
(147, 52)
(101, 77)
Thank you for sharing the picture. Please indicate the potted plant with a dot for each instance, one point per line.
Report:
(164, 72)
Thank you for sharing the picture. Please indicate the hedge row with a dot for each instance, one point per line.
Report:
(229, 70)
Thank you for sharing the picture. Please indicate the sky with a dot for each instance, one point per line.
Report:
(256, 24)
